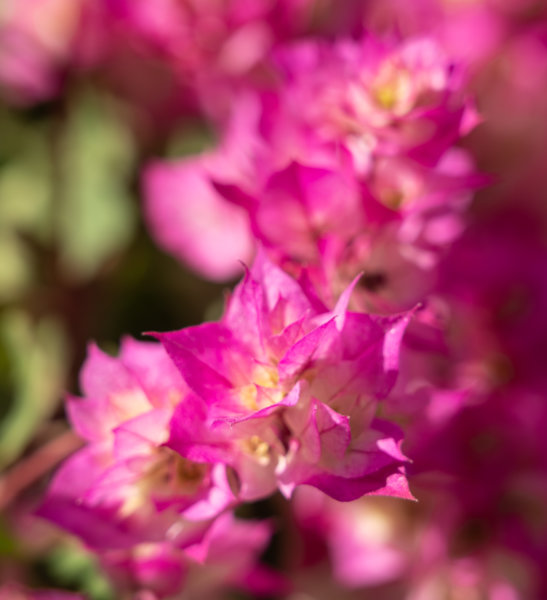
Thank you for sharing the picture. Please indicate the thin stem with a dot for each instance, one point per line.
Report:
(29, 469)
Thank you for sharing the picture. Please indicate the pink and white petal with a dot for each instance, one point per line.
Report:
(192, 221)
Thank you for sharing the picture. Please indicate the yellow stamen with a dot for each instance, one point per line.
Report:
(258, 448)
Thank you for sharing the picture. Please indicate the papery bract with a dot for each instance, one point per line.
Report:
(347, 163)
(227, 557)
(367, 540)
(190, 219)
(289, 391)
(125, 487)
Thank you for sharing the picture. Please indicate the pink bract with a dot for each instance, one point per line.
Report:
(288, 392)
(125, 486)
(226, 558)
(190, 220)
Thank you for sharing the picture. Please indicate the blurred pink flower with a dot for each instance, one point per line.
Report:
(192, 221)
(226, 558)
(125, 487)
(37, 40)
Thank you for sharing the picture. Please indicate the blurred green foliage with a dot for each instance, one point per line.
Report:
(65, 209)
(25, 194)
(37, 356)
(98, 218)
(72, 567)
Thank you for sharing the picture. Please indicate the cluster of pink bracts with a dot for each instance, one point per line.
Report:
(377, 345)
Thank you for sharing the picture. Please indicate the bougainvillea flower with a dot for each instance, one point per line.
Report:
(125, 486)
(37, 38)
(379, 120)
(495, 278)
(367, 541)
(372, 98)
(214, 47)
(298, 207)
(289, 391)
(394, 228)
(443, 567)
(467, 577)
(189, 218)
(226, 558)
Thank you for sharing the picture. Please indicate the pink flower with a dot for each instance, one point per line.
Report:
(368, 540)
(37, 38)
(215, 47)
(288, 392)
(347, 164)
(370, 98)
(394, 228)
(186, 214)
(192, 221)
(227, 557)
(125, 486)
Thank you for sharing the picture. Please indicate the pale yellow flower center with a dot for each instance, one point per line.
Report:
(265, 376)
(258, 449)
(168, 474)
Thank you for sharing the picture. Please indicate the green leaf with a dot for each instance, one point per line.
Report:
(26, 186)
(8, 543)
(75, 568)
(15, 267)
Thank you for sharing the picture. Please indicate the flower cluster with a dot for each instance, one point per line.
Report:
(280, 392)
(346, 163)
(379, 306)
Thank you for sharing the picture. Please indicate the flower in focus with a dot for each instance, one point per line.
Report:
(286, 392)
